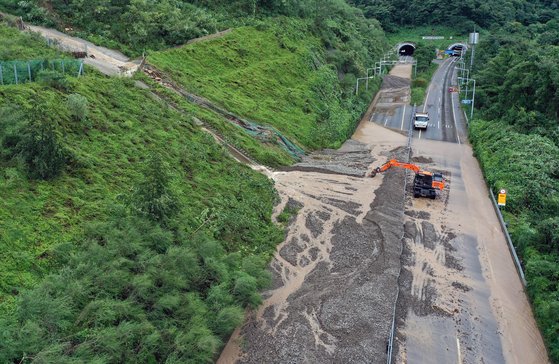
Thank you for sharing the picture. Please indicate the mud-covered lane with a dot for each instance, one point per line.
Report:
(461, 300)
(335, 276)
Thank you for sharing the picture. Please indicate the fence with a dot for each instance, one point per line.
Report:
(16, 72)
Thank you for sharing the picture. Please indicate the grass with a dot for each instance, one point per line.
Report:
(269, 154)
(15, 45)
(262, 75)
(223, 224)
(125, 126)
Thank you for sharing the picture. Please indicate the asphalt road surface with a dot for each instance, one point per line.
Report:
(461, 300)
(447, 122)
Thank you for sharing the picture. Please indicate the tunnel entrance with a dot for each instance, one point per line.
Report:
(457, 49)
(406, 49)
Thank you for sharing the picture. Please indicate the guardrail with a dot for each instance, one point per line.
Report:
(512, 249)
(390, 344)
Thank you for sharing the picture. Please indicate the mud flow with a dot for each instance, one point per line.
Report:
(335, 275)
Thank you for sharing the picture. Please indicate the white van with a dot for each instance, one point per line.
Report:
(420, 120)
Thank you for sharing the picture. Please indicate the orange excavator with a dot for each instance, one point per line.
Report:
(425, 184)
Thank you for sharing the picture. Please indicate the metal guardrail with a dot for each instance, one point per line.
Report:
(390, 344)
(505, 230)
(512, 249)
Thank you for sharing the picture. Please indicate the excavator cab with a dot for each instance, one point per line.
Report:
(425, 184)
(438, 181)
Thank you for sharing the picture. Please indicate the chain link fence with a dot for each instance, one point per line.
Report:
(16, 72)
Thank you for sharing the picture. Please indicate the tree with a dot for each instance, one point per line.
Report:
(154, 197)
(41, 150)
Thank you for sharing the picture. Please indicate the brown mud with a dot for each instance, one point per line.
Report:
(335, 275)
(460, 299)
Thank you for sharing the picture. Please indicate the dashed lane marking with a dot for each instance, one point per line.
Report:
(458, 349)
(454, 117)
(403, 116)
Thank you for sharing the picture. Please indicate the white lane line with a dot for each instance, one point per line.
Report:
(454, 117)
(459, 353)
(419, 134)
(429, 90)
(385, 121)
(403, 116)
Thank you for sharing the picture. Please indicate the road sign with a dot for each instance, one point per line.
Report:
(502, 198)
(467, 102)
(449, 51)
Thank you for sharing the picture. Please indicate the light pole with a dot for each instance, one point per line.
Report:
(367, 82)
(472, 100)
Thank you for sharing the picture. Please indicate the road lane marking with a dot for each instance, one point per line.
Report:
(419, 134)
(429, 90)
(458, 347)
(403, 116)
(385, 121)
(454, 117)
(427, 98)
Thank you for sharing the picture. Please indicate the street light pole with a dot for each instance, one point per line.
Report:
(367, 82)
(473, 99)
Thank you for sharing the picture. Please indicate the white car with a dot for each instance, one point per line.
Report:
(420, 120)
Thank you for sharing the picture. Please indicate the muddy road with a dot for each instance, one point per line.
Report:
(461, 300)
(336, 274)
(358, 246)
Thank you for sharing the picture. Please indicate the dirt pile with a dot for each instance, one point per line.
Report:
(335, 277)
(352, 159)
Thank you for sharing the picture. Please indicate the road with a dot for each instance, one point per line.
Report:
(461, 300)
(446, 123)
(106, 61)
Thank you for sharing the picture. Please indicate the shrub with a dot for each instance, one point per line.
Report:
(154, 197)
(42, 151)
(78, 107)
(53, 79)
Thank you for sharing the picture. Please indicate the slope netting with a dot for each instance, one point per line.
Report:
(16, 72)
(270, 134)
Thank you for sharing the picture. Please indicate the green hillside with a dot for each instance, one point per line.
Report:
(272, 76)
(139, 179)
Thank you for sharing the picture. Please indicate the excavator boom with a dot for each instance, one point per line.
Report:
(394, 163)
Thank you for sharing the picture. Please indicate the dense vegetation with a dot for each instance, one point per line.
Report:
(464, 15)
(152, 240)
(129, 235)
(516, 138)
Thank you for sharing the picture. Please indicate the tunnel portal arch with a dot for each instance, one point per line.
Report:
(458, 48)
(405, 48)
